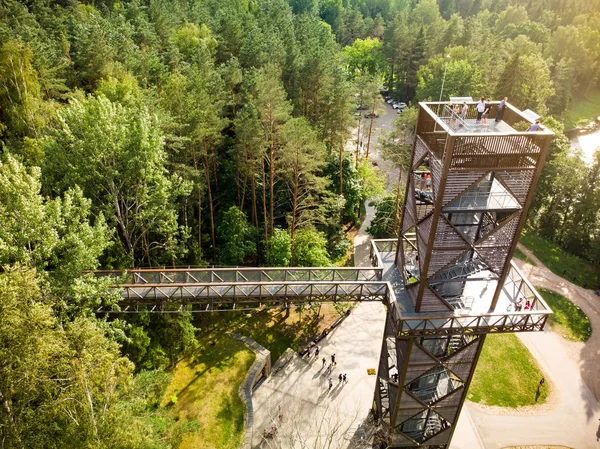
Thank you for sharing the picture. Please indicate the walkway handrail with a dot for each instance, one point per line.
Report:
(219, 275)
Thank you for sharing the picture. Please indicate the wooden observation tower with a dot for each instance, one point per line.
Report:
(469, 188)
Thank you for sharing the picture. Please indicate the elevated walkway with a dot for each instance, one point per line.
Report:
(224, 289)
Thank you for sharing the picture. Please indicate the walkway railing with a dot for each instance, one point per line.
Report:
(219, 275)
(215, 289)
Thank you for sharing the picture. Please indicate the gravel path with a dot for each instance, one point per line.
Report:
(571, 417)
(585, 355)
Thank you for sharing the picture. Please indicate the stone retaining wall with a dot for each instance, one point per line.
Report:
(262, 365)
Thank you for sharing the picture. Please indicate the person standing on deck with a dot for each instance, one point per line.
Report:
(465, 110)
(486, 112)
(480, 109)
(501, 106)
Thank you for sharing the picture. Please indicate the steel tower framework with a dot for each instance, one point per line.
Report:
(468, 191)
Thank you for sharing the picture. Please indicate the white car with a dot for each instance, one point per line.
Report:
(399, 105)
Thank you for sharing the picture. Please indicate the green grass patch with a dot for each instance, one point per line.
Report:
(522, 256)
(567, 319)
(204, 388)
(507, 374)
(582, 109)
(562, 263)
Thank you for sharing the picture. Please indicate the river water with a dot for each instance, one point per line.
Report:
(587, 143)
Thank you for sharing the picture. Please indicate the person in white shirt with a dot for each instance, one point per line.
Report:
(480, 109)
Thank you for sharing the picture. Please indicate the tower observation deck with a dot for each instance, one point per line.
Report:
(447, 281)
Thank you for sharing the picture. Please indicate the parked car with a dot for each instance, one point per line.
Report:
(389, 100)
(399, 105)
(372, 115)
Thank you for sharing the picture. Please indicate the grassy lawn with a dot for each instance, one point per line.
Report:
(566, 265)
(521, 256)
(507, 374)
(583, 109)
(204, 386)
(568, 320)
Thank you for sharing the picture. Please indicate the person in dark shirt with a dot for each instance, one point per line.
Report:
(501, 106)
(535, 126)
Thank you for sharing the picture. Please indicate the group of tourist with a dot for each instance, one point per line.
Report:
(316, 350)
(483, 108)
(483, 111)
(519, 305)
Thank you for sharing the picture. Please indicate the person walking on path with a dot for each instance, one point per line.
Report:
(317, 351)
(501, 106)
(340, 378)
(330, 383)
(345, 379)
(324, 362)
(465, 110)
(333, 359)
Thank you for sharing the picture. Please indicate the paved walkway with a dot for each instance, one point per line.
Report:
(572, 367)
(313, 416)
(585, 355)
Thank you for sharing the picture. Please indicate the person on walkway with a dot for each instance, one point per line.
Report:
(501, 106)
(527, 305)
(340, 378)
(455, 112)
(535, 126)
(519, 304)
(465, 110)
(330, 383)
(480, 109)
(486, 112)
(324, 362)
(333, 359)
(345, 379)
(317, 351)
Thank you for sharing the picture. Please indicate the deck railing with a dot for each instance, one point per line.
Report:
(213, 289)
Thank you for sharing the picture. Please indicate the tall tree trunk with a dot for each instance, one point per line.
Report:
(397, 204)
(341, 167)
(195, 157)
(121, 221)
(210, 206)
(358, 136)
(272, 186)
(264, 193)
(294, 209)
(255, 215)
(370, 131)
